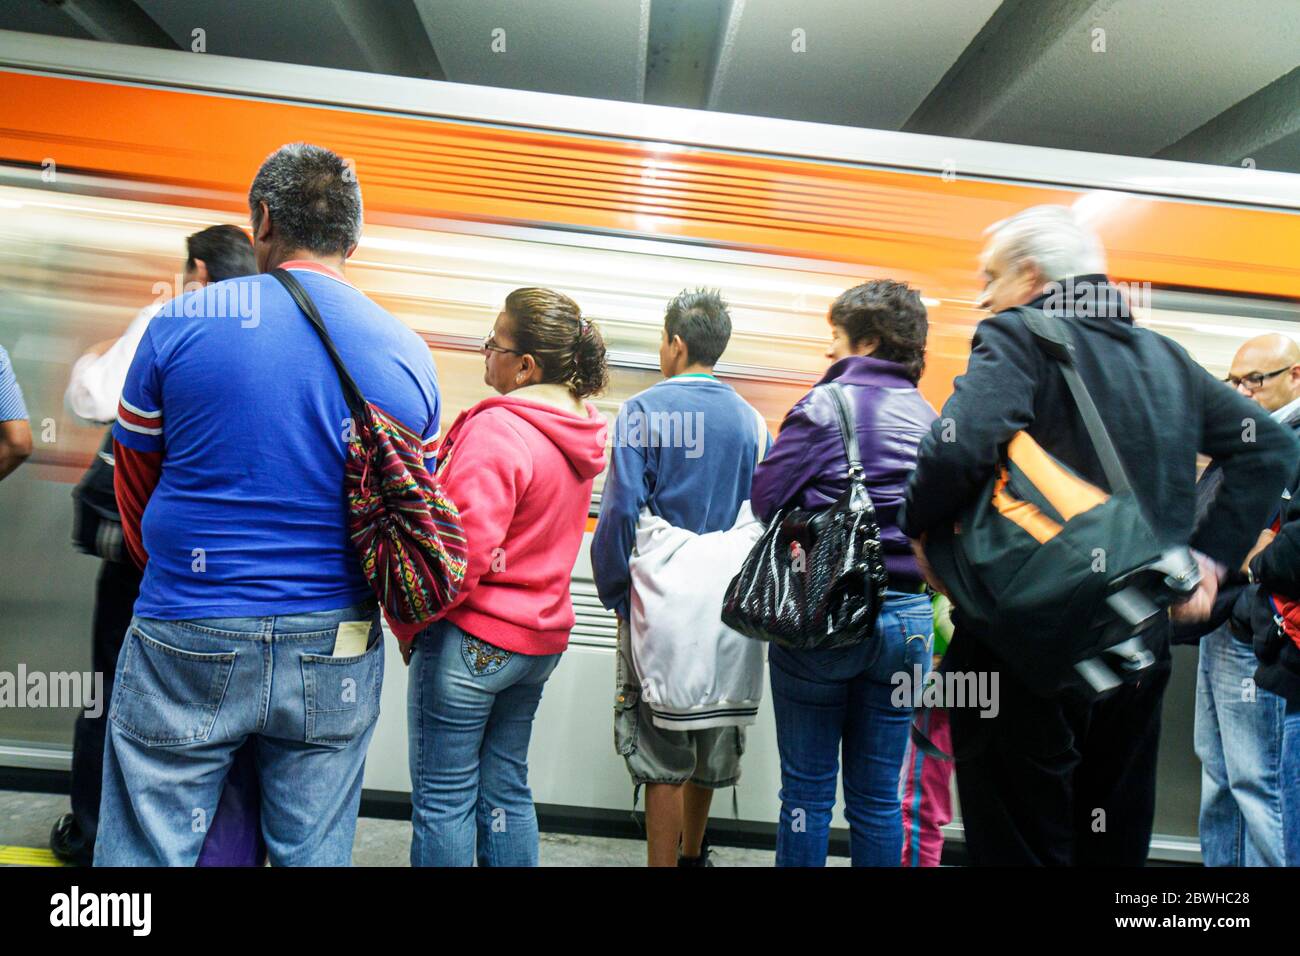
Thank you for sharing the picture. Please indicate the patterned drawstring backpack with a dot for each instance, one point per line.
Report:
(406, 532)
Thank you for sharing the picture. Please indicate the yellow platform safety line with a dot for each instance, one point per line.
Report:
(28, 856)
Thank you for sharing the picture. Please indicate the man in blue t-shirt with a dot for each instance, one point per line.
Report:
(254, 619)
(684, 448)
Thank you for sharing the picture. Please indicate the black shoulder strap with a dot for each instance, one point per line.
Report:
(927, 746)
(848, 429)
(1053, 337)
(351, 394)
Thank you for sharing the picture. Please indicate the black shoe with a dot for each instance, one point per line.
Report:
(701, 860)
(68, 844)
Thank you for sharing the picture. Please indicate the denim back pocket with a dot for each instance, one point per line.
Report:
(918, 630)
(166, 697)
(481, 657)
(341, 694)
(906, 635)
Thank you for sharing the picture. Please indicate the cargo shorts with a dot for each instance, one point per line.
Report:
(707, 758)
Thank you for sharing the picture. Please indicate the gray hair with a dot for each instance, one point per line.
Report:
(313, 197)
(1052, 240)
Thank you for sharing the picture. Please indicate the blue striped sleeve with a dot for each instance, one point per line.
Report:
(12, 407)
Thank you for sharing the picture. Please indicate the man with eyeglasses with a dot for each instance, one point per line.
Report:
(1271, 389)
(1238, 735)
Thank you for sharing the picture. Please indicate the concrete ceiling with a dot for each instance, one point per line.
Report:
(579, 47)
(1116, 76)
(862, 63)
(1198, 80)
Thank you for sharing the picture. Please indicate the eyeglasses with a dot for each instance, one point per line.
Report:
(1255, 380)
(489, 345)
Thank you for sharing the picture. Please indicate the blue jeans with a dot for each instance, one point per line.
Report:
(470, 714)
(1238, 739)
(823, 698)
(1291, 782)
(186, 696)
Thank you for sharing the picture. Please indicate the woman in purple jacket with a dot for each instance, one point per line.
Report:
(847, 695)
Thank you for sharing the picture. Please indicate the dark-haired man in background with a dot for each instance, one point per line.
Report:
(211, 255)
(94, 388)
(686, 449)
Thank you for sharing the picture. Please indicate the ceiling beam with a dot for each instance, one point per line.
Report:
(1243, 131)
(390, 36)
(592, 48)
(726, 48)
(998, 63)
(682, 50)
(642, 49)
(115, 21)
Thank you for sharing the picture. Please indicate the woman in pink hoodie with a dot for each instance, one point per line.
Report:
(520, 467)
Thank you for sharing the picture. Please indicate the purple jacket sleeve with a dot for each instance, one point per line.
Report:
(788, 466)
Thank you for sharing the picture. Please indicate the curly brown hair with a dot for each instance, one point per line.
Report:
(892, 314)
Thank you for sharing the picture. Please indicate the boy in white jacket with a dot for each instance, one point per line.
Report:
(685, 449)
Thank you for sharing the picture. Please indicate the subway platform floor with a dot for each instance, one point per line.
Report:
(26, 818)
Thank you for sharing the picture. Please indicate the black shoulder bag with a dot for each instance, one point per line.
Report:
(96, 524)
(815, 579)
(1061, 579)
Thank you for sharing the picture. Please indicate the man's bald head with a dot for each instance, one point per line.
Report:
(1276, 359)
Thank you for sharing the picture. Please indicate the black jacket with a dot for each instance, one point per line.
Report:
(1277, 569)
(1235, 603)
(1160, 408)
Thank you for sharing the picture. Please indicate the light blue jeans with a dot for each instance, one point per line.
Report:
(1238, 738)
(189, 693)
(470, 718)
(1291, 782)
(842, 699)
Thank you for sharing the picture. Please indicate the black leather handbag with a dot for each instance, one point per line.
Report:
(816, 579)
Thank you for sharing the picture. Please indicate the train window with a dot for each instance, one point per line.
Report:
(1212, 326)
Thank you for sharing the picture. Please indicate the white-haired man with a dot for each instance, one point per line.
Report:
(1064, 780)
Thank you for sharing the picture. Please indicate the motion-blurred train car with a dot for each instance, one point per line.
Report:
(110, 156)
